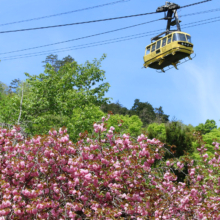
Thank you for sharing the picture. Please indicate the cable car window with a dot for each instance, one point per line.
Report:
(188, 38)
(164, 42)
(179, 37)
(148, 51)
(174, 37)
(158, 44)
(153, 48)
(182, 37)
(169, 39)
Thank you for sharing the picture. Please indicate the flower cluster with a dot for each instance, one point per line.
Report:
(49, 177)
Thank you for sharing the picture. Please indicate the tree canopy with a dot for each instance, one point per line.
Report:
(58, 98)
(143, 110)
(177, 137)
(55, 62)
(207, 127)
(3, 88)
(128, 124)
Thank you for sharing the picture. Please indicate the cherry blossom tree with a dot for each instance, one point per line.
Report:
(102, 176)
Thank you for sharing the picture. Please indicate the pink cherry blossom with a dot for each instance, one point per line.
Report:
(101, 176)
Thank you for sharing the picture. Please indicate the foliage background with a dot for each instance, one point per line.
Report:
(73, 95)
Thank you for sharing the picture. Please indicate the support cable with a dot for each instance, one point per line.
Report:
(106, 32)
(80, 38)
(94, 21)
(115, 40)
(64, 13)
(82, 45)
(77, 23)
(201, 12)
(196, 3)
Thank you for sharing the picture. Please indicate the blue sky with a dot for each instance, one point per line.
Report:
(190, 94)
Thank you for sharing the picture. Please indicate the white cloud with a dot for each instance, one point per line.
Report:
(205, 80)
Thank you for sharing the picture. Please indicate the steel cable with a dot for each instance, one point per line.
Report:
(77, 23)
(115, 40)
(201, 12)
(61, 42)
(80, 38)
(94, 21)
(64, 13)
(111, 31)
(196, 3)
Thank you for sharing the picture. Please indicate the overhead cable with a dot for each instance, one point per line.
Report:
(67, 48)
(77, 48)
(196, 3)
(77, 23)
(114, 40)
(64, 13)
(94, 21)
(80, 38)
(201, 12)
(106, 32)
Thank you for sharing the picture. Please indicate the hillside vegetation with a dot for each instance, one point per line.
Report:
(67, 152)
(72, 95)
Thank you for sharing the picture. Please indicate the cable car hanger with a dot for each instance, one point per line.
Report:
(172, 49)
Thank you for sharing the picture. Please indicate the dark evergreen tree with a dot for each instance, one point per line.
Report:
(163, 118)
(55, 62)
(115, 108)
(14, 85)
(178, 139)
(144, 110)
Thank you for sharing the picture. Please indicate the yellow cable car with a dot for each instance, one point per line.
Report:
(169, 49)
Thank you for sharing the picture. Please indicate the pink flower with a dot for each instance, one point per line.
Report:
(61, 131)
(199, 178)
(205, 156)
(88, 176)
(112, 128)
(40, 206)
(22, 164)
(168, 163)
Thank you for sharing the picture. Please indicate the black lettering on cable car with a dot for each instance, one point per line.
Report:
(185, 44)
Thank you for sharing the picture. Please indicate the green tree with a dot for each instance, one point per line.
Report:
(179, 139)
(207, 127)
(115, 108)
(3, 89)
(54, 96)
(160, 116)
(82, 120)
(129, 124)
(144, 110)
(55, 62)
(14, 85)
(157, 131)
(7, 111)
(208, 139)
